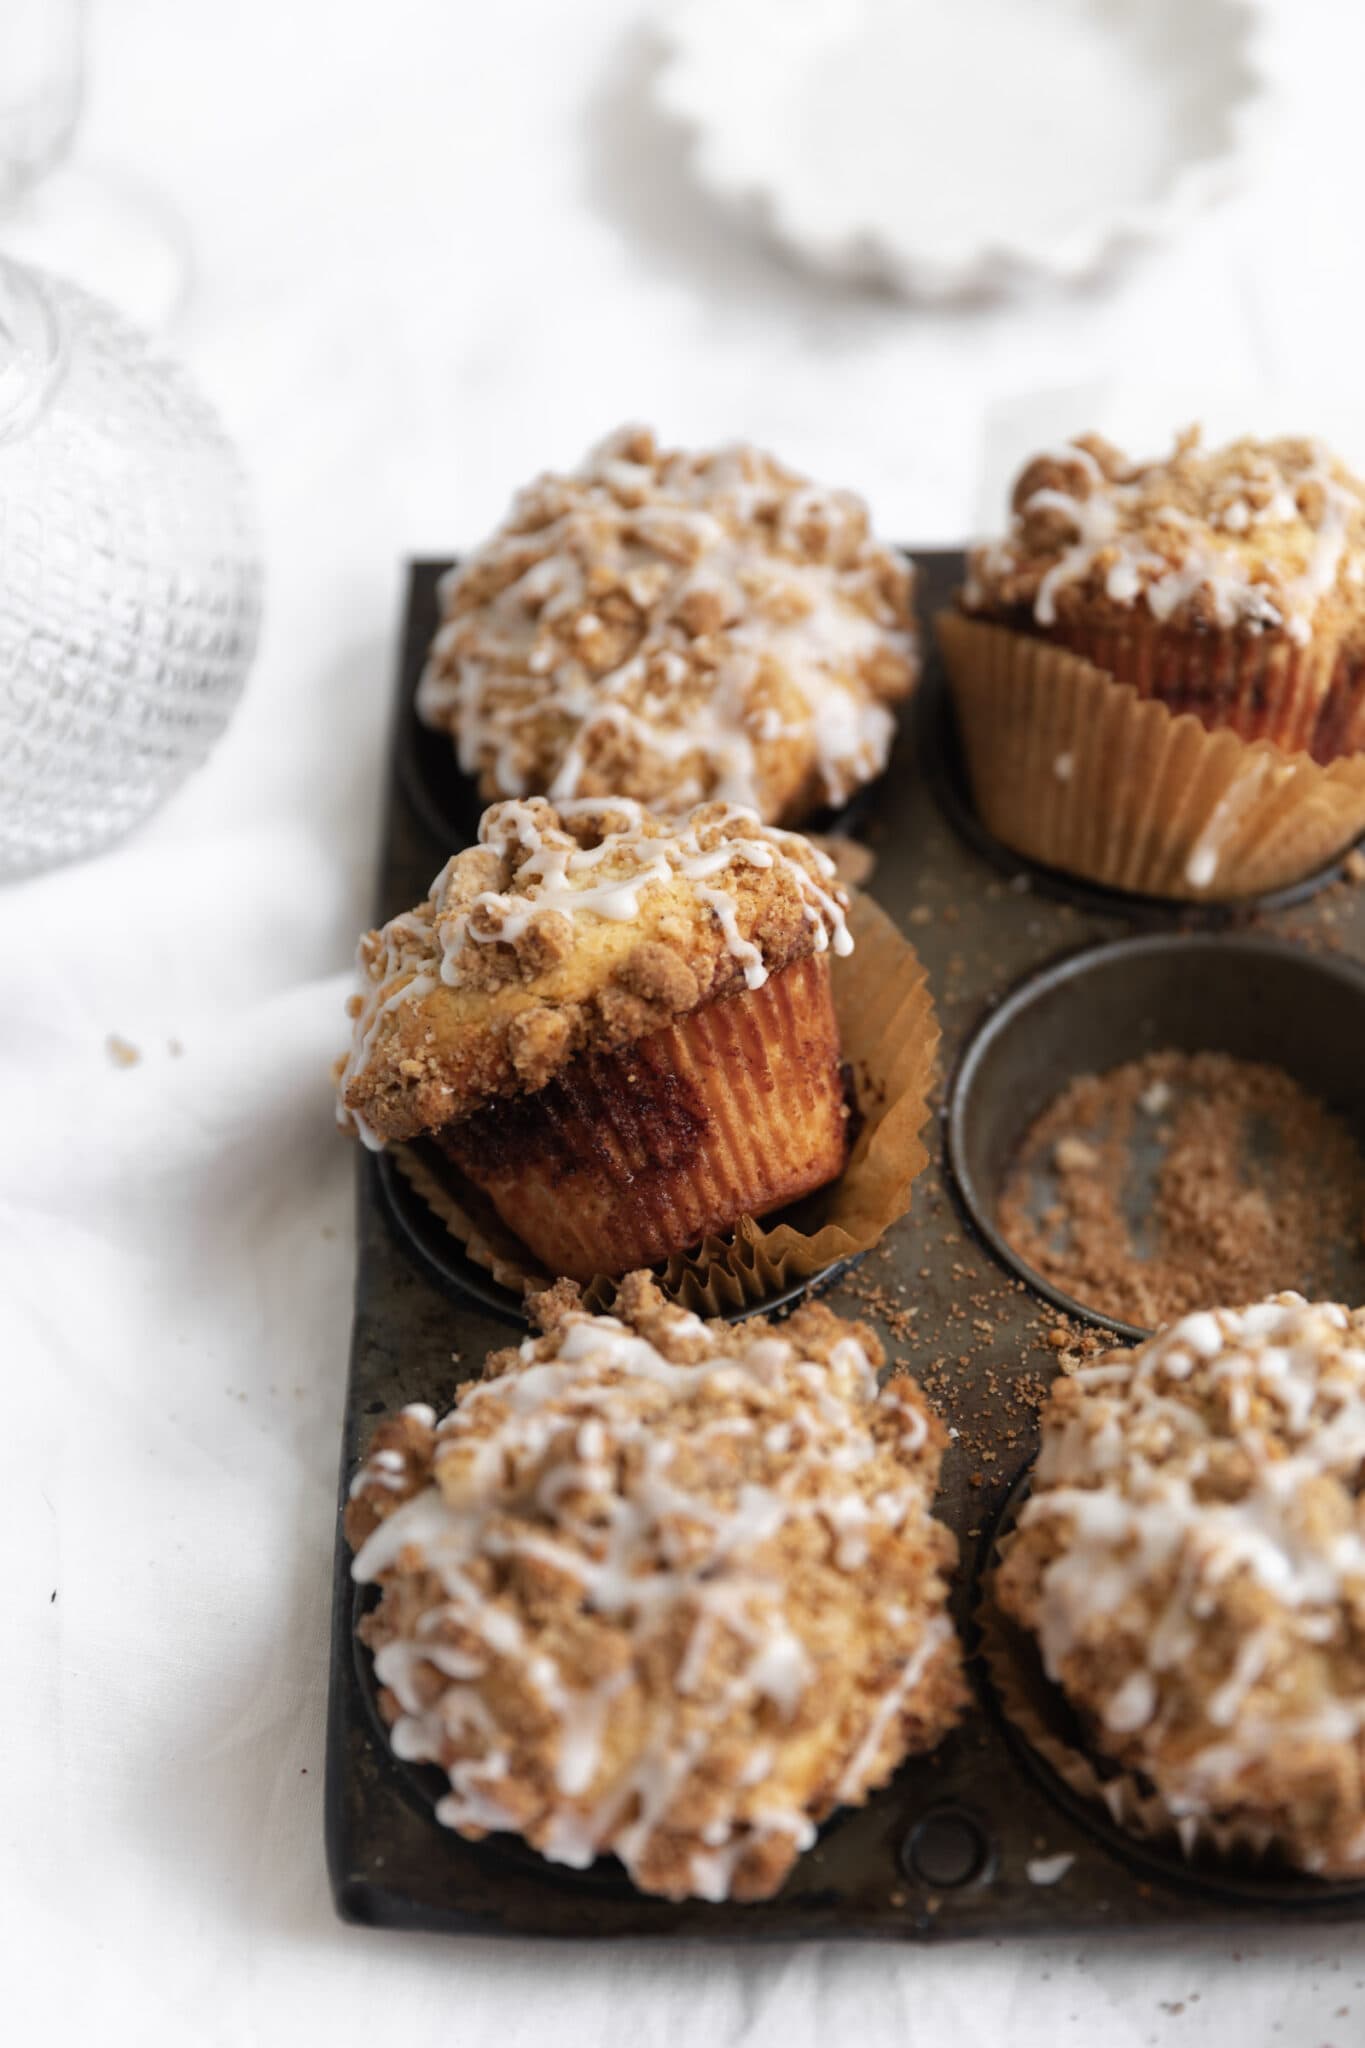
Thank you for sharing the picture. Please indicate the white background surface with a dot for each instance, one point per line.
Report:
(439, 246)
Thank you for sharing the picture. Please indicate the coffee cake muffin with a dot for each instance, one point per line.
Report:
(620, 1028)
(675, 627)
(1229, 583)
(663, 1588)
(1192, 1565)
(1159, 671)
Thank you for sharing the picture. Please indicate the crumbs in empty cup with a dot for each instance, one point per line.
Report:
(1184, 1178)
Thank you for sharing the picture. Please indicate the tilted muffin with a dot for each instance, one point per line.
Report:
(675, 627)
(1214, 604)
(1192, 1564)
(662, 1587)
(620, 1028)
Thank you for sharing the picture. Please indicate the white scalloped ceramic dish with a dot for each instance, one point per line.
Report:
(956, 146)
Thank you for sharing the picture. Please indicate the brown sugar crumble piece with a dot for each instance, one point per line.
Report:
(120, 1052)
(1180, 1179)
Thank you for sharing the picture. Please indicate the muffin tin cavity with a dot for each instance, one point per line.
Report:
(439, 1255)
(1250, 996)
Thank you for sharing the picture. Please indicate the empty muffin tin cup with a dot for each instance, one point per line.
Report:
(1251, 997)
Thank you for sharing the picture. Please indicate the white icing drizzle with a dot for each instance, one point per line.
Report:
(1096, 522)
(601, 1415)
(611, 880)
(1140, 1551)
(1106, 517)
(937, 1631)
(727, 528)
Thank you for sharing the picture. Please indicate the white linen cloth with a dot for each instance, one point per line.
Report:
(436, 249)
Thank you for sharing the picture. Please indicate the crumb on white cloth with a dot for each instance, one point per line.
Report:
(120, 1052)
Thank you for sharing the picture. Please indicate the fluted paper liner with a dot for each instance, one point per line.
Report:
(1077, 771)
(1039, 1710)
(889, 1036)
(1261, 686)
(738, 1107)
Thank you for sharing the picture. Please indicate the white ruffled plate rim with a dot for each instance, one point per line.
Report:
(689, 86)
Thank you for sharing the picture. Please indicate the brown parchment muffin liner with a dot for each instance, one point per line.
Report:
(889, 1037)
(1257, 685)
(1079, 772)
(1041, 1713)
(736, 1108)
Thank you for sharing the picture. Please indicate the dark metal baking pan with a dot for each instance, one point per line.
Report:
(945, 1849)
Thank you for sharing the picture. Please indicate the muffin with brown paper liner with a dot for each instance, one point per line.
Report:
(618, 1040)
(1176, 1620)
(1159, 672)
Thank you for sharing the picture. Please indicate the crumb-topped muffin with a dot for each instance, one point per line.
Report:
(1227, 582)
(621, 1028)
(675, 627)
(663, 1588)
(1159, 671)
(1192, 1564)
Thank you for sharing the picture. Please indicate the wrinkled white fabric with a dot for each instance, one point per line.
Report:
(437, 246)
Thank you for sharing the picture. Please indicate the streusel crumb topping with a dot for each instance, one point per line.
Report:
(1260, 536)
(675, 627)
(565, 929)
(662, 1587)
(1192, 1562)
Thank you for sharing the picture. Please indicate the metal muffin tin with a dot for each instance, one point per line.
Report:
(1246, 993)
(945, 1850)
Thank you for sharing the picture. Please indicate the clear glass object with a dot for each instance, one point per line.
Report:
(42, 78)
(102, 226)
(130, 596)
